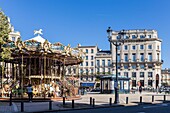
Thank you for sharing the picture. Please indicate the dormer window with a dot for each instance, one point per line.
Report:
(133, 36)
(13, 38)
(149, 36)
(142, 36)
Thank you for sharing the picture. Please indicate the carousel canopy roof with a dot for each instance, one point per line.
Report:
(38, 38)
(40, 47)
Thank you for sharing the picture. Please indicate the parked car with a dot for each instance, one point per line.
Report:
(94, 91)
(165, 89)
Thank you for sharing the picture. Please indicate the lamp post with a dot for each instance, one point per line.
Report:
(116, 42)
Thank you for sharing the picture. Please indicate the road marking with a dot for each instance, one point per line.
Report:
(160, 105)
(15, 107)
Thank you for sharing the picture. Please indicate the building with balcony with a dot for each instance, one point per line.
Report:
(139, 57)
(165, 77)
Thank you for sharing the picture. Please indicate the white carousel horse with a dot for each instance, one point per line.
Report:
(39, 32)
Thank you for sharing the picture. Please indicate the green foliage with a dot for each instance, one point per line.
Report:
(5, 52)
(4, 28)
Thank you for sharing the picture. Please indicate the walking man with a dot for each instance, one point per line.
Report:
(29, 91)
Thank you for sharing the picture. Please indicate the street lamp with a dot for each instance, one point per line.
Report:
(116, 42)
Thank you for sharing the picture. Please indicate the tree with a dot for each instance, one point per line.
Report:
(5, 52)
(5, 29)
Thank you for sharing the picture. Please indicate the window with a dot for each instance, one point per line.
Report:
(126, 57)
(92, 57)
(86, 50)
(118, 47)
(118, 57)
(149, 46)
(92, 64)
(150, 66)
(133, 83)
(98, 70)
(118, 73)
(133, 57)
(92, 51)
(126, 74)
(125, 66)
(142, 36)
(158, 56)
(133, 66)
(86, 63)
(134, 74)
(118, 66)
(149, 36)
(125, 47)
(126, 37)
(141, 74)
(108, 62)
(141, 57)
(150, 57)
(108, 70)
(103, 71)
(81, 64)
(92, 78)
(92, 71)
(150, 83)
(86, 57)
(69, 71)
(87, 71)
(133, 47)
(149, 74)
(142, 82)
(98, 63)
(142, 66)
(13, 38)
(81, 71)
(86, 78)
(74, 71)
(133, 37)
(117, 37)
(158, 47)
(141, 47)
(103, 62)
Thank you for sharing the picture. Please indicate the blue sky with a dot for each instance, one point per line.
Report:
(86, 21)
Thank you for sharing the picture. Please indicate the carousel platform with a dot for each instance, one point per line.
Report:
(39, 99)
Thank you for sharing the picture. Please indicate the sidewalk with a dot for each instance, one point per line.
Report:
(5, 108)
(101, 100)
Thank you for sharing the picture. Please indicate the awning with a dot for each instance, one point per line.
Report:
(87, 84)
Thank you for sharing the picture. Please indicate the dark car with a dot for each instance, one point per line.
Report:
(94, 91)
(165, 89)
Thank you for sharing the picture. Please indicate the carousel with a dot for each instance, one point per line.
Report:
(38, 62)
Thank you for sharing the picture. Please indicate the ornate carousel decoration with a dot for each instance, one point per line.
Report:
(41, 63)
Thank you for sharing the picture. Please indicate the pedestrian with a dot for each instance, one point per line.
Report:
(29, 92)
(140, 89)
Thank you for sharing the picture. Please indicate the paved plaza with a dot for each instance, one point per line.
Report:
(101, 100)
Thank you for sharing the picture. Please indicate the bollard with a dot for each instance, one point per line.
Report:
(50, 105)
(22, 106)
(126, 100)
(72, 103)
(140, 99)
(90, 101)
(110, 101)
(152, 98)
(64, 101)
(10, 101)
(164, 97)
(93, 102)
